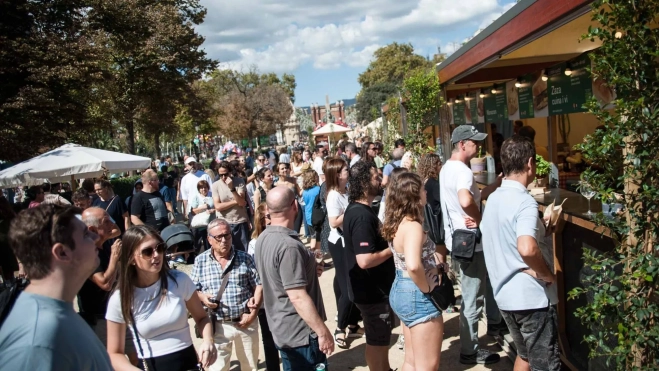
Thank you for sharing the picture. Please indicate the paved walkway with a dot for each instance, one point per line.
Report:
(353, 358)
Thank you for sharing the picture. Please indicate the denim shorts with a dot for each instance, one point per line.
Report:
(409, 303)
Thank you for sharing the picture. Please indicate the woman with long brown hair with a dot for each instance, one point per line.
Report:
(416, 273)
(336, 177)
(154, 303)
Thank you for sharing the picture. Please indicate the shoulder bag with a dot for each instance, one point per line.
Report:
(443, 295)
(211, 315)
(464, 241)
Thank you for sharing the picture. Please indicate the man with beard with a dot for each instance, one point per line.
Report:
(369, 263)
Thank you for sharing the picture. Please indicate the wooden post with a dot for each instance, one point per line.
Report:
(74, 184)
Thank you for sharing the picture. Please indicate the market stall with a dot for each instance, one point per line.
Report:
(531, 66)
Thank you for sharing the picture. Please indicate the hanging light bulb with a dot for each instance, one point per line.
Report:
(568, 70)
(544, 76)
(494, 89)
(482, 95)
(518, 83)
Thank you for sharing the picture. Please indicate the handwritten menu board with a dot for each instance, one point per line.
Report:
(459, 113)
(567, 94)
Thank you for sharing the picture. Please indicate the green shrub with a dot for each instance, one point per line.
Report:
(123, 187)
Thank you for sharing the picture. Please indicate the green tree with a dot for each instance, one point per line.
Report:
(421, 99)
(391, 64)
(48, 65)
(370, 99)
(622, 307)
(154, 56)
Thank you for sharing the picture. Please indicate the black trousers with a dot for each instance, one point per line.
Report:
(269, 347)
(348, 314)
(182, 360)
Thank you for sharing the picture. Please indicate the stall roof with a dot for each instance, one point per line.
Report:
(532, 35)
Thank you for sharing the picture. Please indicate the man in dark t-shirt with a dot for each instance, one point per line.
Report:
(370, 263)
(148, 206)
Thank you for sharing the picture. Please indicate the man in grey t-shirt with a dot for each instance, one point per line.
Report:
(42, 331)
(291, 291)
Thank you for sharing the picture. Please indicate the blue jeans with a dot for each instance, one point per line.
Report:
(476, 294)
(303, 358)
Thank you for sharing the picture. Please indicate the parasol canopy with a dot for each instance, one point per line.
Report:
(70, 161)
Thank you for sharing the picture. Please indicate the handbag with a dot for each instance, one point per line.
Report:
(211, 315)
(443, 295)
(200, 220)
(464, 242)
(432, 224)
(139, 346)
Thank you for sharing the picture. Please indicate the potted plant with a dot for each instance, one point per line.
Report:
(543, 168)
(478, 164)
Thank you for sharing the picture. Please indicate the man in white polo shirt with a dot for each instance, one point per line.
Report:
(190, 180)
(460, 201)
(520, 271)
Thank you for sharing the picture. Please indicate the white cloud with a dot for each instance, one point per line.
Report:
(282, 35)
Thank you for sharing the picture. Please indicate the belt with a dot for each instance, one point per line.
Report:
(403, 273)
(227, 319)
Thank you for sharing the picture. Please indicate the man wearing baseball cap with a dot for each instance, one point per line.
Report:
(461, 207)
(190, 180)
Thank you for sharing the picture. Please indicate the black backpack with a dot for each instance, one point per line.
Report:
(9, 292)
(318, 213)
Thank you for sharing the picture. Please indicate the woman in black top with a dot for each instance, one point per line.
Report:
(428, 170)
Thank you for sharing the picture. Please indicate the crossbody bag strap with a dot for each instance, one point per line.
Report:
(139, 345)
(448, 216)
(223, 286)
(110, 204)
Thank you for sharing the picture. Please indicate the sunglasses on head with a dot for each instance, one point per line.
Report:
(219, 237)
(147, 253)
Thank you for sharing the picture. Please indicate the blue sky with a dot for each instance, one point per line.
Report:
(326, 45)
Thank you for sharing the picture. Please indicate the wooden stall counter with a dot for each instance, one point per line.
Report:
(576, 233)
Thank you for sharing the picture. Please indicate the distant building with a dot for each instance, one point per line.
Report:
(290, 132)
(318, 113)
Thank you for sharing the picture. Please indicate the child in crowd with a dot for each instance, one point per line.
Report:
(311, 190)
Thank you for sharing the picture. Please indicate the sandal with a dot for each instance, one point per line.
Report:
(340, 342)
(355, 331)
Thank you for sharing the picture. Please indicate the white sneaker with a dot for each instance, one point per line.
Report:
(401, 342)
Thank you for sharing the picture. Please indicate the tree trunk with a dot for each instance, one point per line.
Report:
(130, 132)
(156, 143)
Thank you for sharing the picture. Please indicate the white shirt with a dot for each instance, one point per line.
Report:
(318, 167)
(454, 176)
(163, 326)
(189, 185)
(354, 160)
(336, 206)
(284, 158)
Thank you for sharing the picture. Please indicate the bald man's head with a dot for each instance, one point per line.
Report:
(93, 216)
(98, 221)
(279, 199)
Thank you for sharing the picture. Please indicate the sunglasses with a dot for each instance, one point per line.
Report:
(219, 237)
(148, 252)
(224, 175)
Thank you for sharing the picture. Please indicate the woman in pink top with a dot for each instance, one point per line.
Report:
(35, 195)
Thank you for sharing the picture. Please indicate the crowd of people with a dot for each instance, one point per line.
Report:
(245, 223)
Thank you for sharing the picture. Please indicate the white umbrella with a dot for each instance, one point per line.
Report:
(68, 162)
(331, 129)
